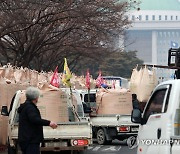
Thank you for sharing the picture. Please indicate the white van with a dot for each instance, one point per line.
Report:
(159, 131)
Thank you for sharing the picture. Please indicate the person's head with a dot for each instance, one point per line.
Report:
(32, 94)
(134, 96)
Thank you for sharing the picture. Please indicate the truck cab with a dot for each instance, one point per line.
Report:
(159, 129)
(106, 127)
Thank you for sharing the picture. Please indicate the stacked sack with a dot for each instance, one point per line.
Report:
(52, 99)
(143, 82)
(79, 82)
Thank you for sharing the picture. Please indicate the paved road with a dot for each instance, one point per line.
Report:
(115, 148)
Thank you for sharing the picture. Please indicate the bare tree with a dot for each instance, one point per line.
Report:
(40, 33)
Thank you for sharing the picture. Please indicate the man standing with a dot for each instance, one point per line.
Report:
(30, 133)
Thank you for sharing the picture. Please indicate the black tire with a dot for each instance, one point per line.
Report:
(101, 137)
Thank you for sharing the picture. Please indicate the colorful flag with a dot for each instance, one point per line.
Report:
(55, 81)
(66, 74)
(88, 79)
(99, 80)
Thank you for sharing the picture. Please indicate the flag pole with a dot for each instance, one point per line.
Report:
(73, 107)
(88, 95)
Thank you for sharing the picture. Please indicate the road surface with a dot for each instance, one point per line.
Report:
(115, 148)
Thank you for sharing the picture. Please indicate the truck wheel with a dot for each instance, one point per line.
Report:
(101, 137)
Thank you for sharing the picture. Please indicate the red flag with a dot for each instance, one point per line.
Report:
(88, 79)
(99, 80)
(55, 78)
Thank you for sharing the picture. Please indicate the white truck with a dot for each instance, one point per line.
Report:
(72, 137)
(159, 131)
(106, 127)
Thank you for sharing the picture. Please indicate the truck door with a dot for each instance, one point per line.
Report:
(155, 129)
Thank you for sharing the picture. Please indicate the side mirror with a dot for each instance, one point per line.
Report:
(136, 116)
(4, 111)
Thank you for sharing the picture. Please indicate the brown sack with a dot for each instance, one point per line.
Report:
(33, 78)
(135, 80)
(2, 71)
(9, 72)
(52, 104)
(147, 84)
(42, 76)
(114, 102)
(19, 75)
(7, 93)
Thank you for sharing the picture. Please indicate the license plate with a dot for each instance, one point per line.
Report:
(134, 129)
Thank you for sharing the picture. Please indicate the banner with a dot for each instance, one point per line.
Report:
(99, 80)
(55, 78)
(66, 74)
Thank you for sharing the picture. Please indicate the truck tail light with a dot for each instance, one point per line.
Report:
(124, 129)
(80, 142)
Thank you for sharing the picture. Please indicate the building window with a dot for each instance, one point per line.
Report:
(177, 34)
(165, 17)
(133, 17)
(153, 17)
(171, 17)
(147, 17)
(176, 17)
(164, 34)
(159, 17)
(140, 17)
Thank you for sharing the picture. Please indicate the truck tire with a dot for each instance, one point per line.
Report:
(101, 137)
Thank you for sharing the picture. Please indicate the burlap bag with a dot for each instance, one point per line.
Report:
(114, 101)
(147, 84)
(42, 76)
(9, 72)
(135, 80)
(19, 75)
(52, 104)
(26, 76)
(49, 76)
(7, 93)
(2, 72)
(33, 78)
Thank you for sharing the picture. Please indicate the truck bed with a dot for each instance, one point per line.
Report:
(71, 130)
(111, 120)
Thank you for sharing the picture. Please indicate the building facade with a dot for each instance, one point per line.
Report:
(155, 29)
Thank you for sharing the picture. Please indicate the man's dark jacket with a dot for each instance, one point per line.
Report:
(30, 123)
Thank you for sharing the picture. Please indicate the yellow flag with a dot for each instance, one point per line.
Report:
(66, 74)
